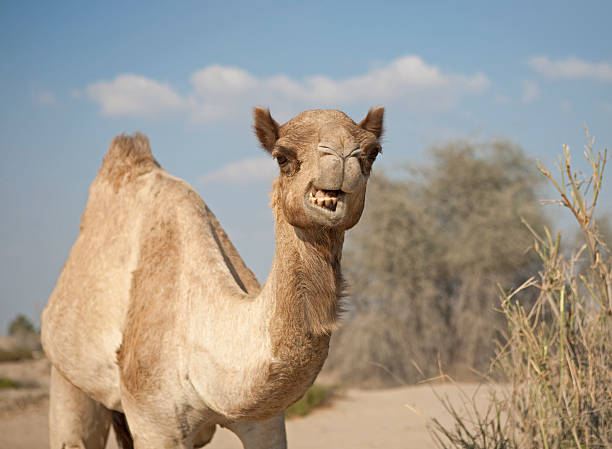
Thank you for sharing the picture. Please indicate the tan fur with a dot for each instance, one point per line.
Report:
(242, 275)
(156, 315)
(127, 158)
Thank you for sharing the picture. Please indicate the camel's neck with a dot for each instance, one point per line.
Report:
(294, 312)
(305, 283)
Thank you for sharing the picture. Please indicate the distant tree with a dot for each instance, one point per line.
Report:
(425, 262)
(21, 325)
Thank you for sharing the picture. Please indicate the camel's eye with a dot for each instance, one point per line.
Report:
(372, 151)
(286, 159)
(368, 157)
(282, 160)
(376, 150)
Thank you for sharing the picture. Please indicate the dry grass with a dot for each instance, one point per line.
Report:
(557, 355)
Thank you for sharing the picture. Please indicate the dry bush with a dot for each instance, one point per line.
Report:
(424, 263)
(557, 359)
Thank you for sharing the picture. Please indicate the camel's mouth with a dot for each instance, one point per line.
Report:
(327, 199)
(326, 204)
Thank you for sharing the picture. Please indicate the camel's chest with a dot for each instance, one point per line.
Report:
(296, 364)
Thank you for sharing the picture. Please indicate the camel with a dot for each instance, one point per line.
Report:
(157, 326)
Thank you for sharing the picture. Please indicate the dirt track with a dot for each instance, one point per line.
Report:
(387, 419)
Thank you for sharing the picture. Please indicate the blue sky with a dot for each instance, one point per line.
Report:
(187, 74)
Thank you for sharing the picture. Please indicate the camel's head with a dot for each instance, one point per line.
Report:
(325, 160)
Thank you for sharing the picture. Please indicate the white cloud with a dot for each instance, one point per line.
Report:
(221, 91)
(408, 78)
(217, 79)
(242, 172)
(531, 91)
(133, 95)
(45, 98)
(571, 68)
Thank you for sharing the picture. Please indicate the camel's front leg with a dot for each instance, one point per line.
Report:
(268, 434)
(75, 419)
(152, 428)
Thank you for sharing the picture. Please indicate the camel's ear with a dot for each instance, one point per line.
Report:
(266, 128)
(373, 122)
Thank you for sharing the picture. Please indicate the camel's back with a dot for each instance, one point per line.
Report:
(84, 320)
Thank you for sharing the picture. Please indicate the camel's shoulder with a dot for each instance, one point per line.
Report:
(186, 218)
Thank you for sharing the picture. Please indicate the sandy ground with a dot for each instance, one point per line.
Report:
(390, 419)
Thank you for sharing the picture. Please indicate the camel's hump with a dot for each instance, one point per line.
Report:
(127, 156)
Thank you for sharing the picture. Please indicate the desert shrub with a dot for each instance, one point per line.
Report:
(557, 356)
(424, 263)
(8, 383)
(316, 396)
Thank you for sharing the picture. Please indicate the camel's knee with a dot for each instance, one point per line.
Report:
(269, 434)
(75, 420)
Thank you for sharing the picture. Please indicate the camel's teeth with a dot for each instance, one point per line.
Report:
(328, 202)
